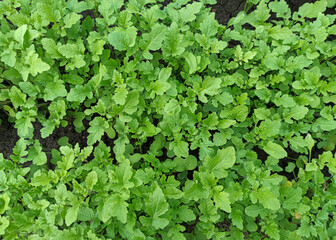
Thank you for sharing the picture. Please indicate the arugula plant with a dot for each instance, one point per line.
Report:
(215, 132)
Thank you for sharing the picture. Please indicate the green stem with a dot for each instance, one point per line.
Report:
(294, 175)
(42, 104)
(245, 7)
(329, 178)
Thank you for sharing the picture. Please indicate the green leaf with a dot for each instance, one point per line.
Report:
(173, 42)
(191, 62)
(71, 215)
(292, 198)
(301, 62)
(209, 26)
(186, 214)
(208, 211)
(85, 214)
(20, 33)
(113, 206)
(155, 207)
(4, 223)
(222, 201)
(54, 89)
(165, 74)
(280, 33)
(311, 10)
(121, 177)
(262, 13)
(71, 50)
(297, 112)
(183, 164)
(272, 230)
(189, 12)
(153, 40)
(160, 87)
(91, 179)
(210, 86)
(172, 107)
(281, 8)
(130, 105)
(23, 124)
(324, 124)
(275, 150)
(268, 199)
(237, 220)
(51, 48)
(310, 142)
(17, 97)
(273, 61)
(120, 94)
(28, 88)
(46, 12)
(67, 158)
(8, 57)
(79, 93)
(96, 130)
(40, 179)
(36, 155)
(181, 148)
(225, 98)
(220, 138)
(4, 202)
(240, 113)
(34, 65)
(254, 210)
(122, 39)
(269, 128)
(71, 19)
(224, 159)
(108, 7)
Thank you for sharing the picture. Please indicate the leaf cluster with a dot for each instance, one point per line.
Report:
(214, 131)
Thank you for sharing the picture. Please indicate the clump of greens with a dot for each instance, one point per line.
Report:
(215, 132)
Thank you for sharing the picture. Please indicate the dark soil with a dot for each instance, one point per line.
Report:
(8, 135)
(226, 9)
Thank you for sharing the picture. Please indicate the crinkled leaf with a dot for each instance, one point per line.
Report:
(224, 159)
(122, 39)
(97, 128)
(268, 199)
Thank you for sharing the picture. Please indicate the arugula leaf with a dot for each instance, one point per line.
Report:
(97, 128)
(4, 203)
(173, 42)
(153, 40)
(311, 10)
(180, 148)
(17, 97)
(156, 206)
(54, 89)
(275, 150)
(222, 201)
(224, 159)
(268, 199)
(113, 206)
(71, 215)
(123, 39)
(79, 93)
